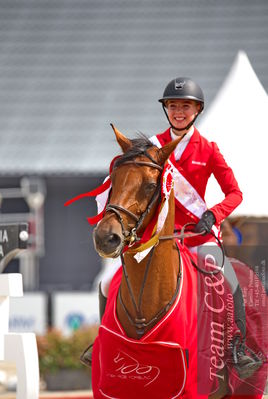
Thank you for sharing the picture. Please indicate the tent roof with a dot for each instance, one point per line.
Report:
(237, 121)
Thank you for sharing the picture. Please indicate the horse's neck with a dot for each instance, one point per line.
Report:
(161, 281)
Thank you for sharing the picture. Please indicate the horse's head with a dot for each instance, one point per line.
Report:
(134, 196)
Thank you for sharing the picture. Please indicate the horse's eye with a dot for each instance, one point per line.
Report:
(150, 187)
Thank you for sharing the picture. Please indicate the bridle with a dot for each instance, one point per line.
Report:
(139, 322)
(131, 237)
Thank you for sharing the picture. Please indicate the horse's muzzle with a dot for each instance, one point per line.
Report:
(108, 243)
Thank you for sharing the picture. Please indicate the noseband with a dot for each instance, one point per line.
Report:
(131, 236)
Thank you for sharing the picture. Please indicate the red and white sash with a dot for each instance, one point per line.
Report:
(184, 192)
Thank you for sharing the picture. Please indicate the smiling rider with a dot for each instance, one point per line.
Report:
(194, 160)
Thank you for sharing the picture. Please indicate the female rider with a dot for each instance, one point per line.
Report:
(194, 160)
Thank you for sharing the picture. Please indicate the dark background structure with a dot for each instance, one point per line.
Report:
(69, 68)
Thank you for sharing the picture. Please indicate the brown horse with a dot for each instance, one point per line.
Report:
(149, 289)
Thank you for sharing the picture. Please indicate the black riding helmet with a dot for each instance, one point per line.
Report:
(182, 88)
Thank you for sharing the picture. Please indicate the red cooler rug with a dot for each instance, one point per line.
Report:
(181, 356)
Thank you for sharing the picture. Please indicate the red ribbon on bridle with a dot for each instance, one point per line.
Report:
(93, 193)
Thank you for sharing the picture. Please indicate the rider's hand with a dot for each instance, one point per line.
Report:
(205, 223)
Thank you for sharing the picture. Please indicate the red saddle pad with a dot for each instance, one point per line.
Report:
(129, 369)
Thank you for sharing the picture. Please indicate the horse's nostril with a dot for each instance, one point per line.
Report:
(107, 242)
(113, 240)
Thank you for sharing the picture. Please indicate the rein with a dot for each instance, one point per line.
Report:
(139, 322)
(184, 235)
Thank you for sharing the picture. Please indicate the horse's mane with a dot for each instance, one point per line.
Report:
(139, 146)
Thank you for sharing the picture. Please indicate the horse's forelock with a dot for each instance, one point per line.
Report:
(139, 146)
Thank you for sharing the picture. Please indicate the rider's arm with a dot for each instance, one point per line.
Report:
(225, 177)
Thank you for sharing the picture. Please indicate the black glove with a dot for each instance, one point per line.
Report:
(205, 223)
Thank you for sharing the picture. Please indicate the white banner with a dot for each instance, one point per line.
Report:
(28, 313)
(71, 310)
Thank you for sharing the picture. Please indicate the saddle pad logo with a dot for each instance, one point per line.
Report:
(131, 370)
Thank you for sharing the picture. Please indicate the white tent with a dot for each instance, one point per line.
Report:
(237, 122)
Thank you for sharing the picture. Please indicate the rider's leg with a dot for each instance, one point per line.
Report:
(213, 250)
(110, 269)
(245, 360)
(102, 303)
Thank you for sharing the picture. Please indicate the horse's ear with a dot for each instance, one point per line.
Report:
(122, 140)
(165, 151)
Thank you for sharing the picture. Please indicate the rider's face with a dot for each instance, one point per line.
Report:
(181, 113)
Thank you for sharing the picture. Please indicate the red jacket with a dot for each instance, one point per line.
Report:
(199, 160)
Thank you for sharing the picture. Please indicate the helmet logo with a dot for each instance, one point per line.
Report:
(179, 85)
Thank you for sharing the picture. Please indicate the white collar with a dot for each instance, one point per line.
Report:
(182, 144)
(186, 138)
